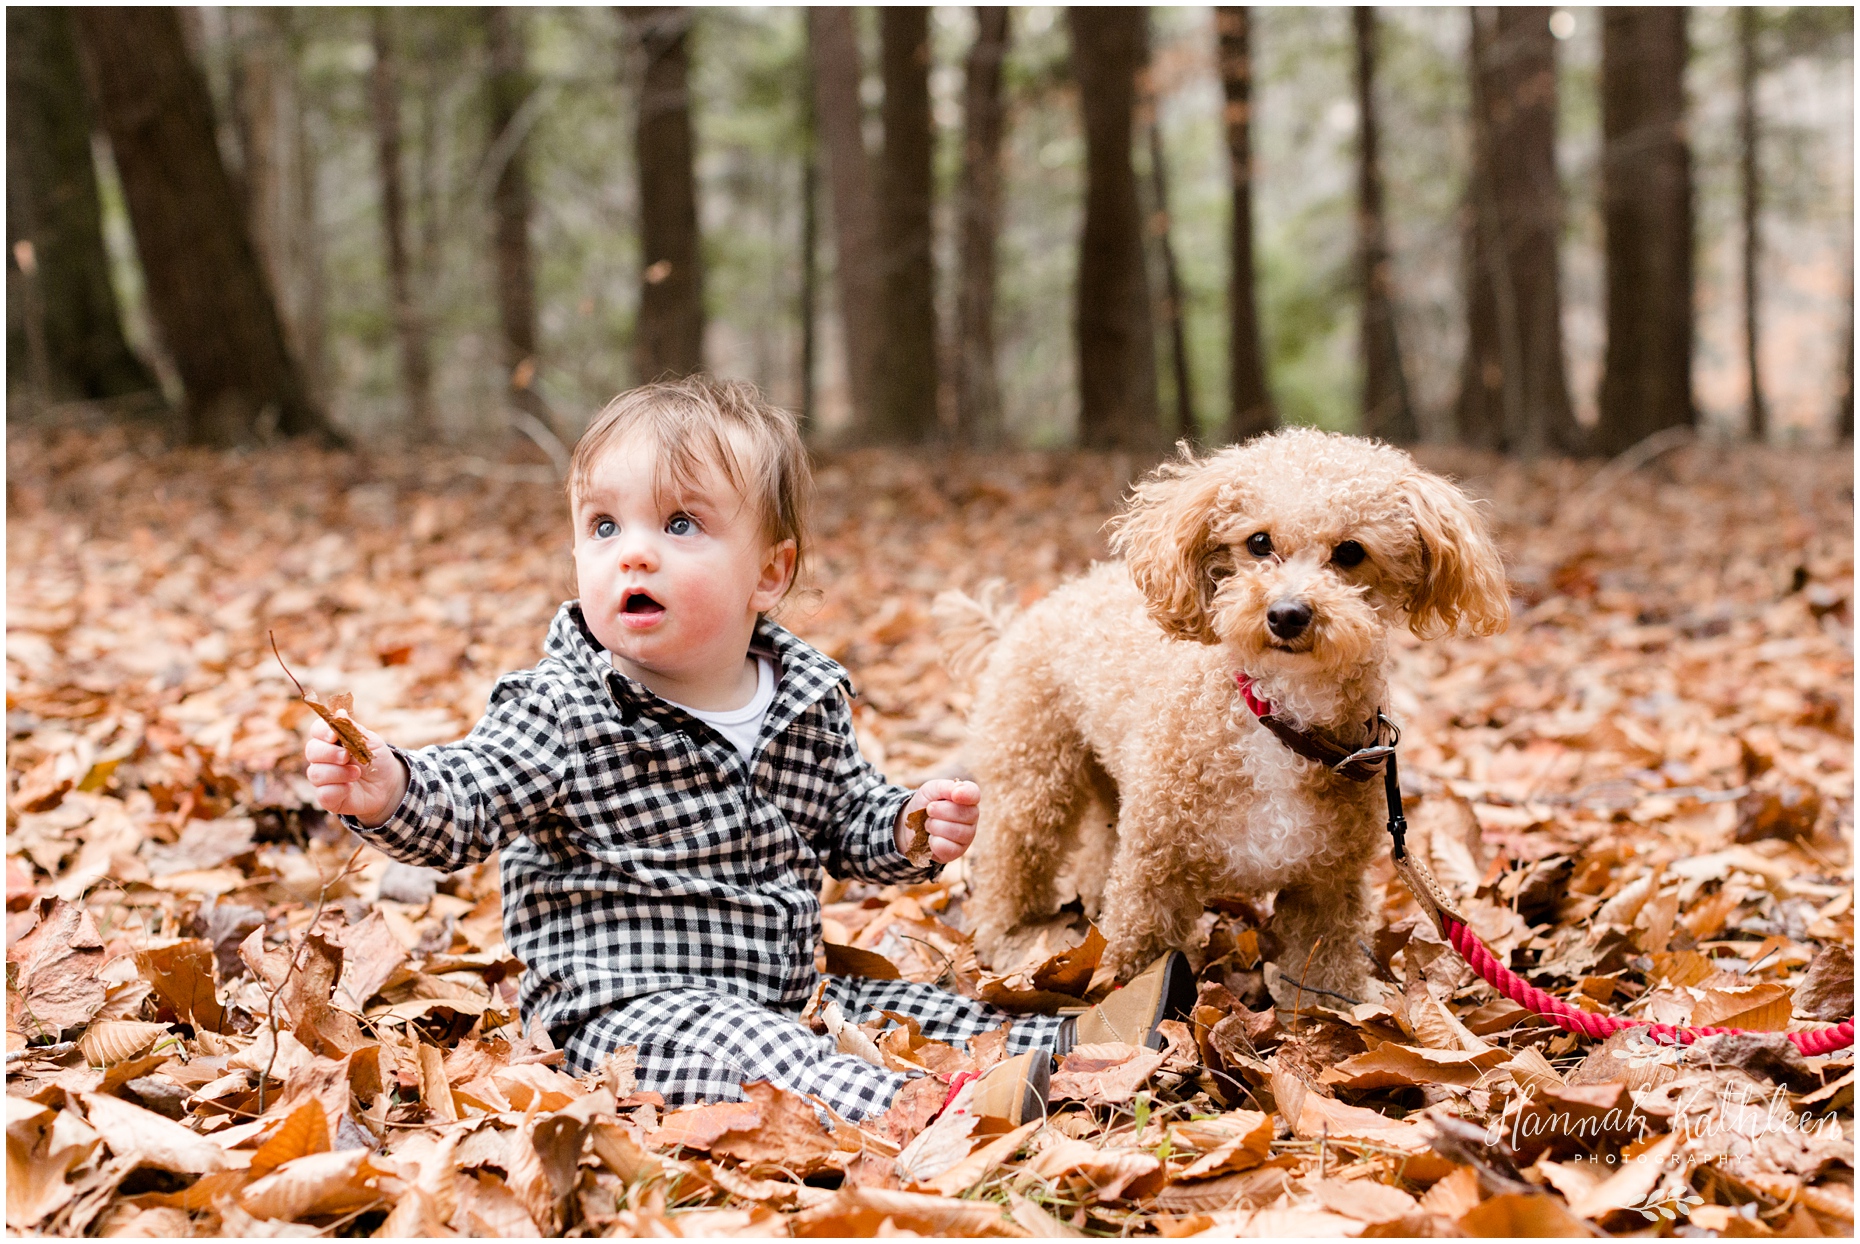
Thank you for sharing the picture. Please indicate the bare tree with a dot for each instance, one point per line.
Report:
(1115, 330)
(507, 158)
(207, 292)
(1647, 217)
(810, 253)
(1748, 18)
(833, 57)
(1514, 394)
(1174, 303)
(1387, 413)
(1249, 403)
(669, 338)
(416, 371)
(63, 326)
(907, 382)
(978, 390)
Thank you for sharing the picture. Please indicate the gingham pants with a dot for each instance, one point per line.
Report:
(698, 1045)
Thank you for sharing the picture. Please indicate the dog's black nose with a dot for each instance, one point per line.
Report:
(1288, 618)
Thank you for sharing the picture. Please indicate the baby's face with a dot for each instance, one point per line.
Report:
(672, 584)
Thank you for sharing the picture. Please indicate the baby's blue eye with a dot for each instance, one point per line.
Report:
(605, 529)
(680, 525)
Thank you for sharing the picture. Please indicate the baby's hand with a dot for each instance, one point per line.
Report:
(369, 795)
(951, 809)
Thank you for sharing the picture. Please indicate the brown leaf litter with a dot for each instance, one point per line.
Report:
(224, 1019)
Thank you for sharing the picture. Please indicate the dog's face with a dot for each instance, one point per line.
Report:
(1300, 549)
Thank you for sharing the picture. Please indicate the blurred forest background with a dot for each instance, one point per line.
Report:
(1523, 229)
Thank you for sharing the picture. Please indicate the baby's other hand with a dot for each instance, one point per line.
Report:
(370, 794)
(951, 809)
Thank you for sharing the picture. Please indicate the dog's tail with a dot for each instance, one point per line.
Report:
(968, 626)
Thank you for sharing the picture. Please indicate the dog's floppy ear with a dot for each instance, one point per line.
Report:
(1163, 538)
(1462, 579)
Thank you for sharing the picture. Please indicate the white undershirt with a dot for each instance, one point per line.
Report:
(739, 725)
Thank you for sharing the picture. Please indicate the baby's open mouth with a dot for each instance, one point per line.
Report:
(640, 604)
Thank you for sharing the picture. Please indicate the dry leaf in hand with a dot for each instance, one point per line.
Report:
(919, 851)
(335, 713)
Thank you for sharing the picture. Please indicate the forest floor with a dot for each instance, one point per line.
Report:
(225, 1018)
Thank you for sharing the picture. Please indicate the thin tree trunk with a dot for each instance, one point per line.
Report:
(302, 292)
(1747, 19)
(1514, 394)
(1844, 404)
(206, 290)
(1174, 305)
(1513, 385)
(1647, 219)
(669, 337)
(907, 381)
(1115, 330)
(1249, 404)
(256, 58)
(833, 56)
(68, 333)
(509, 86)
(1387, 412)
(810, 253)
(978, 388)
(416, 372)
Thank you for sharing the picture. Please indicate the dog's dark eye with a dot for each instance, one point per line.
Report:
(1259, 544)
(1347, 554)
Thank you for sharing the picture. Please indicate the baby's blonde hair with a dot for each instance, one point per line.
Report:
(700, 422)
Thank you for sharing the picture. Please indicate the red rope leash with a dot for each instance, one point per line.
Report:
(1480, 957)
(1588, 1024)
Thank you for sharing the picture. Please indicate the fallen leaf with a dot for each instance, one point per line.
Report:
(304, 1131)
(1827, 989)
(1760, 1007)
(108, 1042)
(143, 1138)
(57, 965)
(1106, 1073)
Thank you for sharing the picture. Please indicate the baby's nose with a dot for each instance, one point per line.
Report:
(1288, 618)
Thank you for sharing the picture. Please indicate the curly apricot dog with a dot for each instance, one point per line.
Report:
(1284, 561)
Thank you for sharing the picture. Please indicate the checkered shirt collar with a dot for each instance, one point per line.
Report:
(803, 674)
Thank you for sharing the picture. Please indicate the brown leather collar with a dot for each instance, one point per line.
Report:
(1356, 763)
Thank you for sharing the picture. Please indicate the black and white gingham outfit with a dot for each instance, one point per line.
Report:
(660, 889)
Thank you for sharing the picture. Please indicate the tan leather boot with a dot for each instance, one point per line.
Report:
(1014, 1089)
(1164, 990)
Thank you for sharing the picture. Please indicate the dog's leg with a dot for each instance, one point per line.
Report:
(1334, 908)
(1033, 796)
(1152, 898)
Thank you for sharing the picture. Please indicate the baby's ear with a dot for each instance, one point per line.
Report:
(1164, 539)
(1462, 583)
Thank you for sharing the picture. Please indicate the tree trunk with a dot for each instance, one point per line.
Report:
(907, 380)
(509, 87)
(978, 389)
(305, 319)
(1387, 412)
(1747, 19)
(810, 255)
(1174, 305)
(669, 337)
(833, 56)
(63, 326)
(1647, 219)
(1844, 401)
(206, 290)
(416, 372)
(1514, 394)
(1249, 403)
(1115, 331)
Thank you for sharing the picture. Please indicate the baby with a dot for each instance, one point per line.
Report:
(666, 784)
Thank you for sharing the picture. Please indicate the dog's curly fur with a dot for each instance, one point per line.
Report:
(1118, 689)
